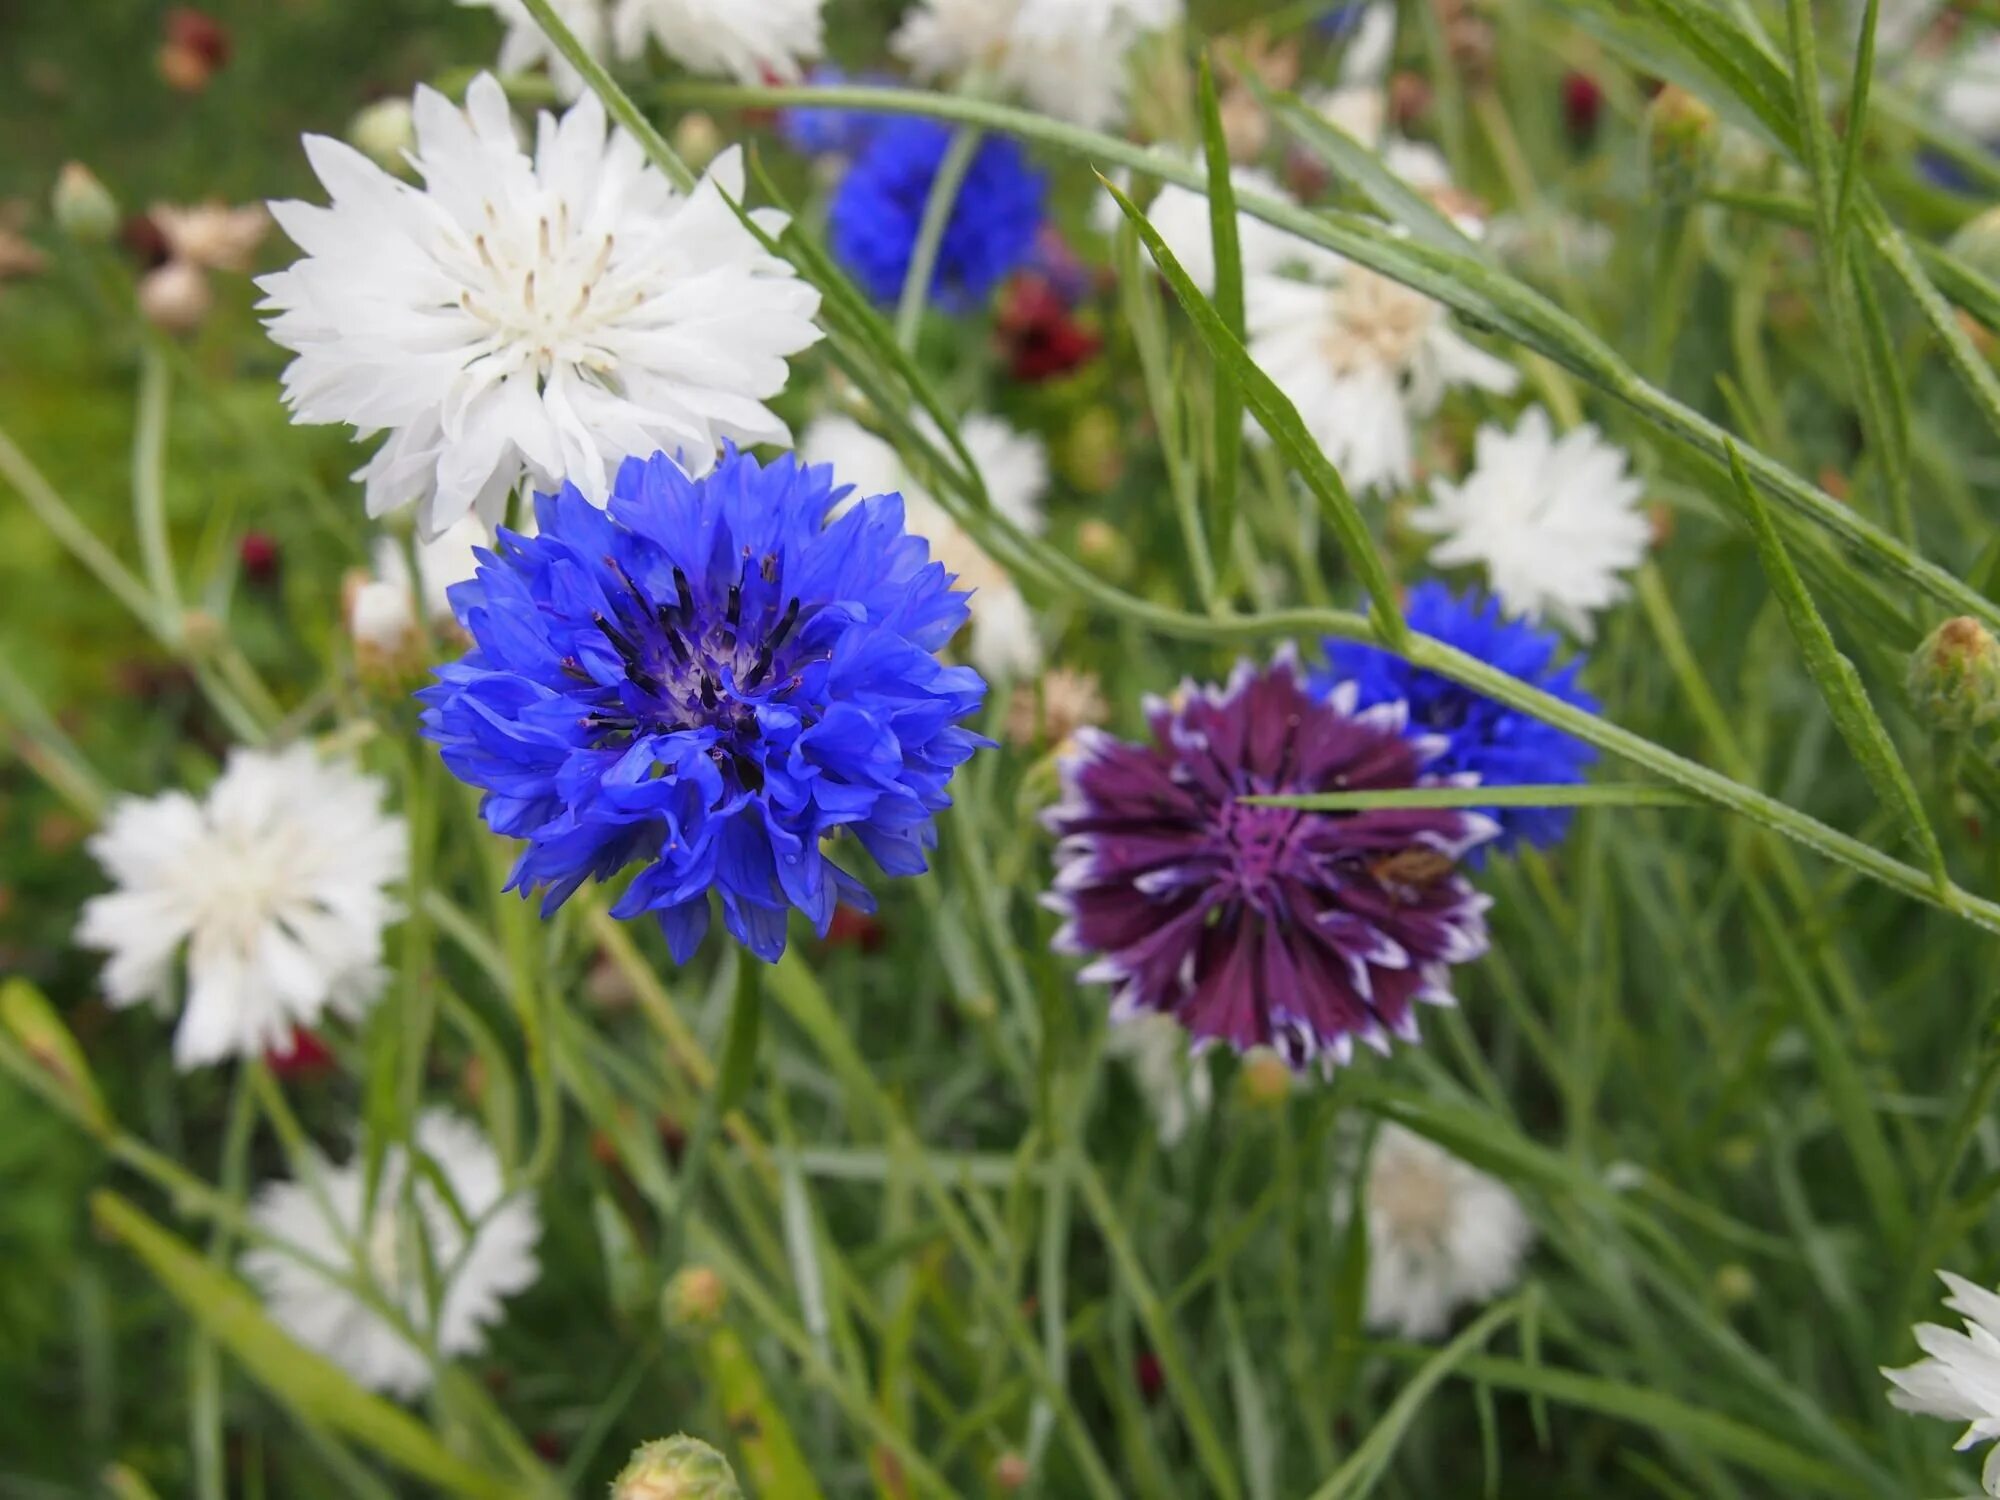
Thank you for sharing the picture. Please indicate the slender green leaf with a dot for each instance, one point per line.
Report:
(1223, 230)
(1604, 794)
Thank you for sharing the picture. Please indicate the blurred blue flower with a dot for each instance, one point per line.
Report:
(879, 207)
(821, 130)
(707, 680)
(1501, 745)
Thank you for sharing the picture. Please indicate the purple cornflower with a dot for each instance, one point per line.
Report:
(708, 681)
(1261, 926)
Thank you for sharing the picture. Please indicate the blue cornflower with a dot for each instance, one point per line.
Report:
(880, 206)
(707, 680)
(1503, 746)
(822, 130)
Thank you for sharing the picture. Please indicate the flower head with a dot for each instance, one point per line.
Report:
(529, 317)
(526, 46)
(1441, 1235)
(276, 887)
(1015, 470)
(1065, 57)
(1483, 737)
(1554, 521)
(1959, 1377)
(1363, 358)
(752, 41)
(878, 211)
(476, 1239)
(1264, 926)
(709, 680)
(212, 236)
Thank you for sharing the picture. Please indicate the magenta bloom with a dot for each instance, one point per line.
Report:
(1260, 926)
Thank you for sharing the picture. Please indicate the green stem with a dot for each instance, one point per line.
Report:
(938, 209)
(149, 485)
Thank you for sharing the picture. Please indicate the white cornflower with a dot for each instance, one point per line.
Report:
(525, 46)
(1363, 358)
(1371, 47)
(1067, 58)
(1181, 216)
(476, 1240)
(1959, 1378)
(383, 613)
(1554, 521)
(1174, 1083)
(1441, 1235)
(274, 884)
(750, 40)
(1970, 98)
(529, 317)
(1015, 470)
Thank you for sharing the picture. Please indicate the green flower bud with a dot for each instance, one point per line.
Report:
(1681, 142)
(694, 1299)
(1977, 242)
(84, 208)
(1954, 677)
(383, 131)
(676, 1468)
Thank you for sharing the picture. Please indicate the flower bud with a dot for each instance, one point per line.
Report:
(383, 132)
(1954, 677)
(1583, 104)
(84, 208)
(1681, 141)
(1092, 456)
(698, 140)
(676, 1468)
(175, 298)
(1267, 1080)
(1011, 1472)
(1977, 242)
(1735, 1285)
(694, 1299)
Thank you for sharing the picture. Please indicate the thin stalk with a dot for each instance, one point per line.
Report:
(149, 485)
(938, 209)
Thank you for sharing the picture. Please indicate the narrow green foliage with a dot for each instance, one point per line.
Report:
(1227, 418)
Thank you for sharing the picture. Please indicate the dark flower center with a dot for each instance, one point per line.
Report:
(692, 668)
(1259, 841)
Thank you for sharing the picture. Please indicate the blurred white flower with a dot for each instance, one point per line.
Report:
(1363, 358)
(750, 40)
(1174, 1083)
(1970, 98)
(1015, 469)
(1371, 46)
(1067, 58)
(275, 885)
(1555, 522)
(1552, 242)
(1441, 1235)
(212, 236)
(1959, 1377)
(478, 1241)
(524, 47)
(1181, 216)
(534, 318)
(383, 612)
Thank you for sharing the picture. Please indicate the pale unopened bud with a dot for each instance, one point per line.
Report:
(1011, 1472)
(175, 298)
(676, 1468)
(694, 1299)
(1977, 242)
(1735, 1285)
(83, 207)
(1954, 676)
(1681, 141)
(383, 132)
(698, 140)
(1267, 1081)
(1092, 456)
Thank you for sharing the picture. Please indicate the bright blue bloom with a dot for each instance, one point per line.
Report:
(1502, 745)
(706, 681)
(820, 130)
(880, 205)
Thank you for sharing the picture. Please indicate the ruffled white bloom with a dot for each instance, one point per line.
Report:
(1970, 98)
(1175, 1084)
(383, 612)
(524, 46)
(750, 40)
(1441, 1235)
(479, 1242)
(275, 885)
(537, 317)
(1015, 469)
(1959, 1377)
(1067, 58)
(1363, 358)
(1554, 521)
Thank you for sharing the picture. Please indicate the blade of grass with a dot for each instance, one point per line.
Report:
(1227, 423)
(1603, 794)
